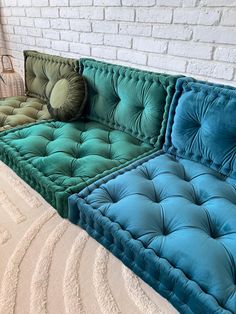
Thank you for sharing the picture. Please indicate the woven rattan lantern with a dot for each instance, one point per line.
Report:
(12, 83)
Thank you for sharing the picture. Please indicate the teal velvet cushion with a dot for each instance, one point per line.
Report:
(202, 125)
(134, 101)
(173, 222)
(68, 98)
(58, 159)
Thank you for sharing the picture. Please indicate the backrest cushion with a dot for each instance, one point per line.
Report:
(42, 71)
(134, 101)
(202, 125)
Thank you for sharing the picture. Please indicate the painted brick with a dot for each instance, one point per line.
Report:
(80, 25)
(150, 45)
(50, 12)
(103, 52)
(182, 32)
(25, 3)
(90, 38)
(33, 12)
(119, 14)
(186, 16)
(219, 3)
(132, 56)
(167, 62)
(41, 3)
(229, 17)
(109, 3)
(13, 20)
(60, 23)
(225, 54)
(80, 2)
(135, 29)
(169, 3)
(42, 42)
(118, 40)
(59, 3)
(80, 49)
(138, 3)
(69, 36)
(28, 22)
(60, 45)
(41, 23)
(91, 13)
(209, 17)
(105, 27)
(190, 50)
(18, 12)
(155, 15)
(189, 3)
(221, 35)
(51, 34)
(69, 12)
(211, 69)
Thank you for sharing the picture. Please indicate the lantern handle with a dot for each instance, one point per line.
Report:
(4, 69)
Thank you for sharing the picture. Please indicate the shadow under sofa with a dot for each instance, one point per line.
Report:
(171, 216)
(125, 118)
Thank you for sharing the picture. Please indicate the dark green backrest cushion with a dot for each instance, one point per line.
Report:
(127, 99)
(42, 71)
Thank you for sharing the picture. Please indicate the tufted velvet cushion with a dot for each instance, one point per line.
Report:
(171, 217)
(58, 159)
(42, 71)
(202, 125)
(21, 110)
(173, 222)
(68, 98)
(127, 99)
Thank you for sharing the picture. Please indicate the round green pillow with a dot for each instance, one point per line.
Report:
(68, 98)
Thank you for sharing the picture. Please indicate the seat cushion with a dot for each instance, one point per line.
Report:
(59, 159)
(20, 110)
(201, 125)
(173, 222)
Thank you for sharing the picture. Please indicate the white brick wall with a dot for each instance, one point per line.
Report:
(191, 37)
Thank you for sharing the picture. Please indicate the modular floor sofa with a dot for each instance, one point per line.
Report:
(171, 217)
(125, 118)
(42, 72)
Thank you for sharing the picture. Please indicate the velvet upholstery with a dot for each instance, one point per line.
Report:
(127, 99)
(59, 159)
(171, 217)
(19, 110)
(42, 71)
(202, 125)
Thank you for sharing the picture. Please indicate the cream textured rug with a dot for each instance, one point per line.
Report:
(48, 265)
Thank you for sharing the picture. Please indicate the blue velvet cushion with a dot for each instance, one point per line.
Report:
(171, 217)
(202, 125)
(174, 223)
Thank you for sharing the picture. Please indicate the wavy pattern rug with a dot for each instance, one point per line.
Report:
(48, 265)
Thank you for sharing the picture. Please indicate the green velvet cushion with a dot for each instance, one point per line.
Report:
(58, 158)
(68, 98)
(21, 110)
(127, 99)
(42, 71)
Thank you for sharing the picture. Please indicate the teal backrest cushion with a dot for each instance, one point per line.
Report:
(42, 71)
(202, 125)
(134, 101)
